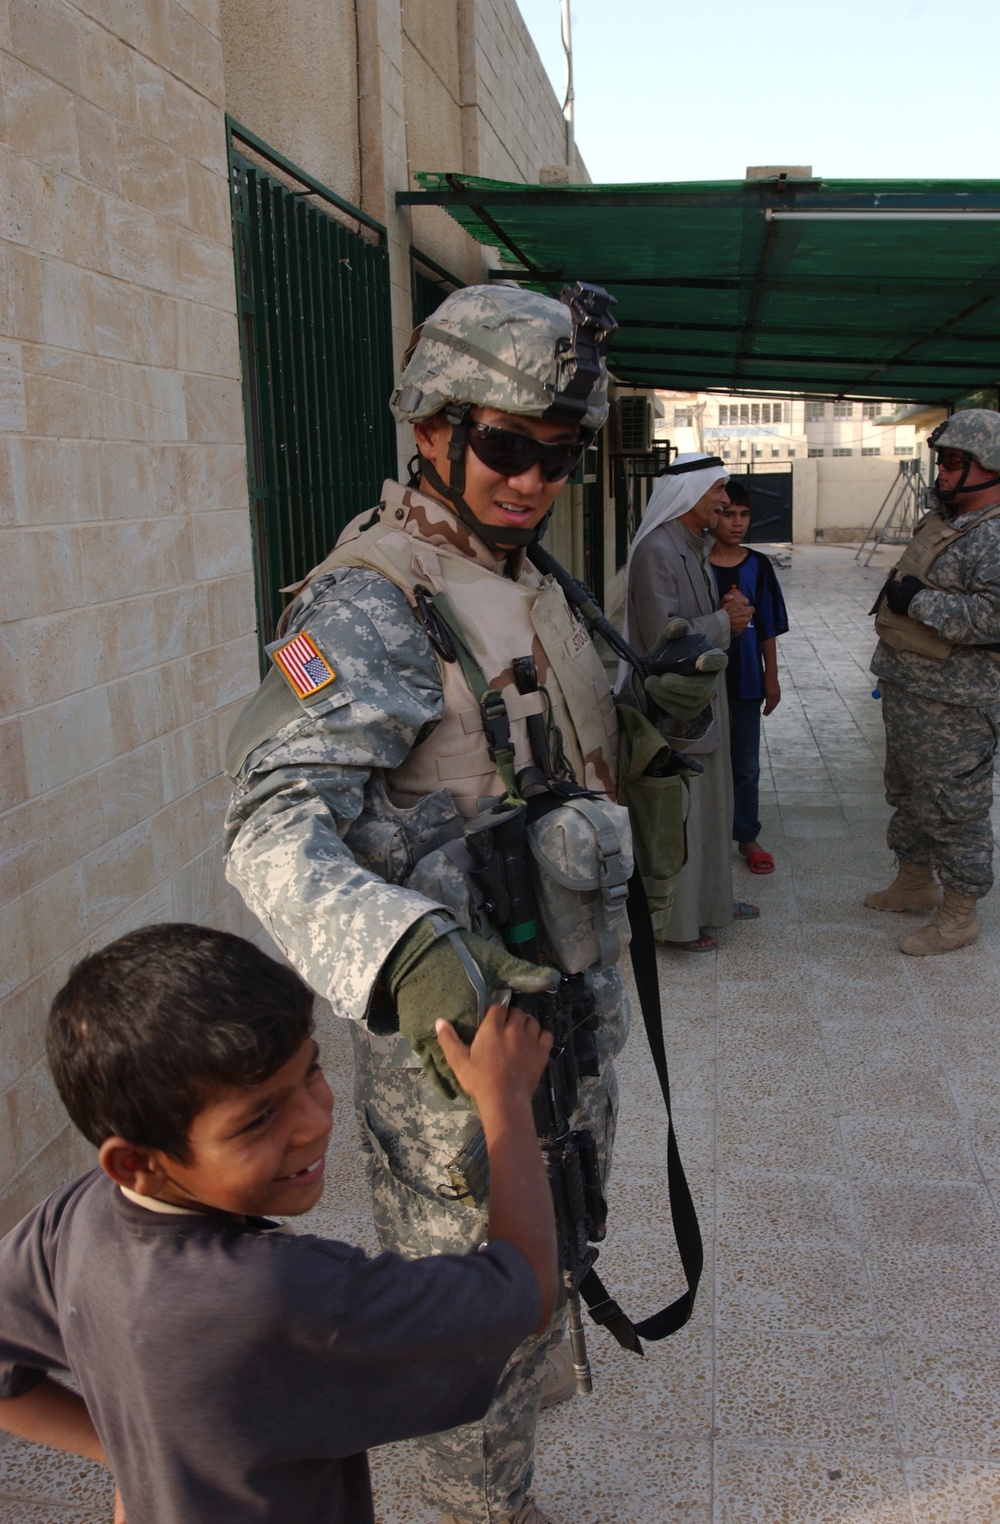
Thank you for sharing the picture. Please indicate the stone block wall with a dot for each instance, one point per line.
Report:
(512, 115)
(128, 637)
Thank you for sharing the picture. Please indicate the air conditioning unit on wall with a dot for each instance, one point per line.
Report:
(633, 426)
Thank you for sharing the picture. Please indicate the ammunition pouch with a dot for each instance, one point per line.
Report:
(654, 790)
(582, 856)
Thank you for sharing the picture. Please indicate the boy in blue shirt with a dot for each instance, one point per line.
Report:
(752, 674)
(230, 1370)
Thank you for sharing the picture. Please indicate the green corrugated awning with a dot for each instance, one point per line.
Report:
(844, 287)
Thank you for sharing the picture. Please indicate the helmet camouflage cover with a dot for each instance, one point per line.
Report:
(493, 346)
(975, 432)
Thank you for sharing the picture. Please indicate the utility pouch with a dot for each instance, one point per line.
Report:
(582, 855)
(655, 792)
(388, 839)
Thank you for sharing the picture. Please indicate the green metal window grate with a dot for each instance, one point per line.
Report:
(633, 478)
(317, 365)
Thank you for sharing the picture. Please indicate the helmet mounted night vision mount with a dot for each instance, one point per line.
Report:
(572, 392)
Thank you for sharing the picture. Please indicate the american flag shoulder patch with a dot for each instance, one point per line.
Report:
(304, 665)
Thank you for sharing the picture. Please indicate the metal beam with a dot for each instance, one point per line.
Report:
(941, 330)
(618, 350)
(660, 376)
(786, 285)
(235, 129)
(434, 267)
(790, 331)
(808, 196)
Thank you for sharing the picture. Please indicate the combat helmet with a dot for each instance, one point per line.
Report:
(514, 350)
(975, 432)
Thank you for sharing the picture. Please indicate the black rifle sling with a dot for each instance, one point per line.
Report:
(687, 1233)
(603, 1308)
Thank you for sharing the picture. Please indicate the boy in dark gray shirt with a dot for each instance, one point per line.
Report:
(231, 1371)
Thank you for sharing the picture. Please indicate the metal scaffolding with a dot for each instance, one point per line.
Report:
(906, 502)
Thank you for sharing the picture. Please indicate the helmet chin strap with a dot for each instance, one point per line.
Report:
(497, 537)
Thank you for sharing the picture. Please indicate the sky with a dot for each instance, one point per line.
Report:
(858, 89)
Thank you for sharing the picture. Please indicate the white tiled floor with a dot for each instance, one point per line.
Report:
(838, 1109)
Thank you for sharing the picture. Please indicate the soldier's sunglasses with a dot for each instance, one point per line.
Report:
(951, 460)
(511, 454)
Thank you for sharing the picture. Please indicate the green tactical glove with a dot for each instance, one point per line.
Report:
(680, 697)
(429, 982)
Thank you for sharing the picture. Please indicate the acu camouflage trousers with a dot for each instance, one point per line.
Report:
(411, 1133)
(939, 781)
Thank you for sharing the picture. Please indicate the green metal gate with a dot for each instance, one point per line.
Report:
(316, 341)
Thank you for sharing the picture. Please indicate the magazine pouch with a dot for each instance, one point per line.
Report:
(655, 792)
(582, 855)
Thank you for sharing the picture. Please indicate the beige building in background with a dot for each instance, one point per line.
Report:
(129, 636)
(844, 456)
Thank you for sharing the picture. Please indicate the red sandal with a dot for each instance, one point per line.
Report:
(759, 861)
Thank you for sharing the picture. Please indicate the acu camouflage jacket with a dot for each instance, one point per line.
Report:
(318, 842)
(963, 607)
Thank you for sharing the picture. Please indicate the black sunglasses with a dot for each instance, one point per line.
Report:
(511, 454)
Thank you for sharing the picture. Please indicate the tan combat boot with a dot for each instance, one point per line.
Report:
(955, 925)
(914, 888)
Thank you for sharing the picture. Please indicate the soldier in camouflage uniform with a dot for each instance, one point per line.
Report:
(938, 666)
(363, 751)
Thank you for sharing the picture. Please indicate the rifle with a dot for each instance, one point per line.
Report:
(498, 846)
(498, 861)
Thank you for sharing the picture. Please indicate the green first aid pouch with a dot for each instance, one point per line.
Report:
(657, 803)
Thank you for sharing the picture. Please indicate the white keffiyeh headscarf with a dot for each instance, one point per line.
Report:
(672, 497)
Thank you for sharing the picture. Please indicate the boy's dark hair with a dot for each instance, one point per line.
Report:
(144, 1030)
(738, 494)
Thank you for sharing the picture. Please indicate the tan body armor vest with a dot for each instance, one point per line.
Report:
(499, 619)
(932, 537)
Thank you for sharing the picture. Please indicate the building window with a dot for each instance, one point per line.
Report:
(871, 410)
(682, 417)
(723, 414)
(790, 451)
(843, 410)
(755, 412)
(775, 452)
(843, 452)
(726, 454)
(871, 450)
(903, 450)
(776, 412)
(744, 412)
(765, 412)
(815, 412)
(743, 453)
(813, 453)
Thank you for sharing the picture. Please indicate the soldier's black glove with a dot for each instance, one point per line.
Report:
(684, 671)
(429, 982)
(900, 593)
(682, 650)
